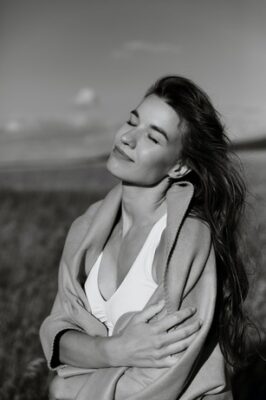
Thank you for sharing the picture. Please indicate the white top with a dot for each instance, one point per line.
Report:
(136, 288)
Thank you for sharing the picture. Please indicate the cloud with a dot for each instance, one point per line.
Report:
(13, 126)
(133, 46)
(19, 126)
(83, 111)
(86, 108)
(86, 97)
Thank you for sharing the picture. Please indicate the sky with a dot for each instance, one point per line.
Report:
(87, 62)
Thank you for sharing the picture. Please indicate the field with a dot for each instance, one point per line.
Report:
(34, 223)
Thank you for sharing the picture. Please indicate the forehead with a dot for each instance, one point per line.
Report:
(154, 110)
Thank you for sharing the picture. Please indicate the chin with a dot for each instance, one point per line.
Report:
(116, 168)
(119, 171)
(125, 173)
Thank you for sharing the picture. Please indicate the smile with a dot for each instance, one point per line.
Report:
(120, 154)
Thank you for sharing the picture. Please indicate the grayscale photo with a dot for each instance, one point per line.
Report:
(132, 200)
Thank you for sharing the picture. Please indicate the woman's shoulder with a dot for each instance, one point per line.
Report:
(90, 212)
(197, 231)
(80, 225)
(193, 249)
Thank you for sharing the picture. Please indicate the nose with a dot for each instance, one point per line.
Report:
(129, 138)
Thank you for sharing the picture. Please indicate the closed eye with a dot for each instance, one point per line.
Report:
(154, 140)
(129, 122)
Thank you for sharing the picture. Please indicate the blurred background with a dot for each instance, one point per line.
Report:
(70, 71)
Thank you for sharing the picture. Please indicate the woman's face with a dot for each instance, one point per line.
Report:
(150, 141)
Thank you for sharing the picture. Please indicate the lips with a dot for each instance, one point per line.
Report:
(121, 153)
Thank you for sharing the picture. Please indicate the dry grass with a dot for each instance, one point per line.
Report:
(33, 228)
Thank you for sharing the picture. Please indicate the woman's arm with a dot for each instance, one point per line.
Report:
(140, 344)
(81, 350)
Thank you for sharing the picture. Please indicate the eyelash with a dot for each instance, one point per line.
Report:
(150, 137)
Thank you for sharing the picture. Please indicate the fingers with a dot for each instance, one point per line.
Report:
(157, 362)
(164, 362)
(149, 312)
(174, 319)
(180, 333)
(177, 340)
(176, 347)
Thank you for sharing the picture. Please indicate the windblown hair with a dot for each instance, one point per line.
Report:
(219, 199)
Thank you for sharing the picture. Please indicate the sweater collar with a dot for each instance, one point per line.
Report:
(178, 198)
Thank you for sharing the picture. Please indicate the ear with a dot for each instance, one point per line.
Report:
(178, 171)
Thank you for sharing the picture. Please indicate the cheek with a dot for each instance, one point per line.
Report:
(154, 161)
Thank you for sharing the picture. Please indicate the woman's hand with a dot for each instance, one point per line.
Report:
(149, 341)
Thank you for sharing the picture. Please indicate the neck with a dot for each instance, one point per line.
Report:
(142, 206)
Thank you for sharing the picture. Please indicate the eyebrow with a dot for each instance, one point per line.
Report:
(154, 127)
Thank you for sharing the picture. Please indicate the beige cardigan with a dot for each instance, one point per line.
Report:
(189, 270)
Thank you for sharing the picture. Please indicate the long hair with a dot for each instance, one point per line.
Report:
(219, 199)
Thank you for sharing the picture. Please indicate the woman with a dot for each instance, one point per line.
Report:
(137, 265)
